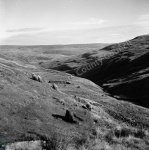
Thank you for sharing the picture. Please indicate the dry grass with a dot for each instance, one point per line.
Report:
(56, 142)
(119, 138)
(131, 138)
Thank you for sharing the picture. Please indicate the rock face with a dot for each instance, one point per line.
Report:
(121, 69)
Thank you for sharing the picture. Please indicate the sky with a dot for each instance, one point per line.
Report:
(49, 22)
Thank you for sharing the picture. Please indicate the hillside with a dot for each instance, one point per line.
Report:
(33, 110)
(121, 69)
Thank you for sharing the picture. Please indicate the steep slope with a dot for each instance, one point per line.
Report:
(121, 69)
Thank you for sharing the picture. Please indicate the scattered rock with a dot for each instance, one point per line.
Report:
(68, 82)
(88, 106)
(36, 77)
(54, 86)
(39, 78)
(62, 101)
(84, 107)
(69, 117)
(95, 121)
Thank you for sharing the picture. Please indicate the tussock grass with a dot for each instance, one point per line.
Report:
(119, 138)
(125, 132)
(56, 142)
(132, 138)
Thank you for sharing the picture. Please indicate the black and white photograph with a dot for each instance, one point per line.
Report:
(74, 74)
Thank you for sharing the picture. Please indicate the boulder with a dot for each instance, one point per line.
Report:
(36, 77)
(69, 117)
(55, 87)
(39, 78)
(88, 106)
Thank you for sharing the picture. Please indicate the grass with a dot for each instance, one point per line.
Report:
(96, 138)
(129, 137)
(119, 138)
(56, 142)
(124, 132)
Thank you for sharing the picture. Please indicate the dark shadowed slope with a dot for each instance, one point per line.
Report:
(122, 69)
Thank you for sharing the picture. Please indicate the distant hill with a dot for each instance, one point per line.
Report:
(121, 69)
(71, 49)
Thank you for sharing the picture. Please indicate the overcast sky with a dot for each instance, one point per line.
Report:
(39, 22)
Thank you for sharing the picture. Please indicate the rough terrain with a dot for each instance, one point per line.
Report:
(65, 104)
(121, 69)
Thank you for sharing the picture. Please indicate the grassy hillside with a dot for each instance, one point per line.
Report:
(121, 69)
(33, 110)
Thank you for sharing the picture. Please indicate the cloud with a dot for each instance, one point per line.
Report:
(94, 35)
(114, 34)
(91, 21)
(144, 17)
(143, 22)
(24, 30)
